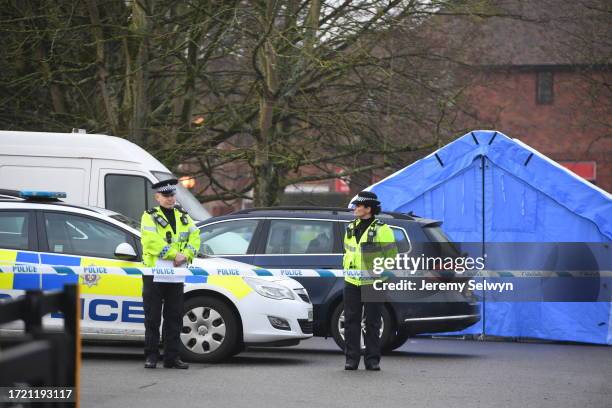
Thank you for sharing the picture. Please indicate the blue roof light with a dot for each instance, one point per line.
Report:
(42, 194)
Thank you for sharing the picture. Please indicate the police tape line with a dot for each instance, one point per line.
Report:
(318, 273)
(166, 271)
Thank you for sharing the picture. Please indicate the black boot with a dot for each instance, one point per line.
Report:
(176, 363)
(373, 366)
(351, 365)
(151, 361)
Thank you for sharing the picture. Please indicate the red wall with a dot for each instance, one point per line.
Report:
(575, 127)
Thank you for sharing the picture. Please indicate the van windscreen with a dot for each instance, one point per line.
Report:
(185, 198)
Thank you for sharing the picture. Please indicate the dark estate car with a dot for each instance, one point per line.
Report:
(298, 238)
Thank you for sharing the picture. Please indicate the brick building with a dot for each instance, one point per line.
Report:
(545, 78)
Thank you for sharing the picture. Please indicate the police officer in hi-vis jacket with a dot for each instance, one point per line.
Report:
(365, 239)
(169, 238)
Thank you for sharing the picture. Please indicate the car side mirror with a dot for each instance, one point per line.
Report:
(125, 252)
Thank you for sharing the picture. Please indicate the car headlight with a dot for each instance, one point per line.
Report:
(303, 294)
(269, 289)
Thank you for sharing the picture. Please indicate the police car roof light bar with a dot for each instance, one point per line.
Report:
(42, 195)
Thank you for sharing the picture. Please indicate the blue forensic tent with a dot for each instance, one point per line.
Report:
(488, 188)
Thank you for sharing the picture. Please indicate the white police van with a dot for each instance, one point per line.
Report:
(96, 170)
(45, 243)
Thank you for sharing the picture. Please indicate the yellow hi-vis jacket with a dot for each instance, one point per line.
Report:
(158, 240)
(377, 241)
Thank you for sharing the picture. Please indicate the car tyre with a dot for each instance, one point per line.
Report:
(397, 340)
(338, 334)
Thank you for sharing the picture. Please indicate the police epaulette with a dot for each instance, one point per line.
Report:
(157, 218)
(184, 219)
(372, 230)
(350, 229)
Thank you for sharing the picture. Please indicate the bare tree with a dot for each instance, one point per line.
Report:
(249, 96)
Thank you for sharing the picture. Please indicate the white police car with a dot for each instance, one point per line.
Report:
(45, 243)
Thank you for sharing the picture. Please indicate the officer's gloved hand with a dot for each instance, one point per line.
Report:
(179, 260)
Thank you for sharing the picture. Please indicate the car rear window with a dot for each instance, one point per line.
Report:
(300, 237)
(441, 244)
(403, 244)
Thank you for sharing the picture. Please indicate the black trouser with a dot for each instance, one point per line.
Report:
(352, 326)
(154, 294)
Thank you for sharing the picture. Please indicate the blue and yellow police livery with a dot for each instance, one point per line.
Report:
(45, 243)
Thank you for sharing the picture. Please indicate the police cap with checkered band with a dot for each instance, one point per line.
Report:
(166, 187)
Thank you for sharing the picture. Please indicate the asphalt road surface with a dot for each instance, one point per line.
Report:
(423, 373)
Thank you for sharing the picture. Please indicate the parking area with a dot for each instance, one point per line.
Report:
(422, 373)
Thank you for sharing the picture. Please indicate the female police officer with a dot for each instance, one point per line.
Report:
(365, 238)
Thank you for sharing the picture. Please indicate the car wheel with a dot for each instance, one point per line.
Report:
(210, 330)
(337, 327)
(240, 347)
(397, 340)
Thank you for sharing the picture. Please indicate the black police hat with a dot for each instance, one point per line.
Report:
(166, 187)
(366, 198)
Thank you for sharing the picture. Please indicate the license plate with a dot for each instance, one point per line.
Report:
(310, 315)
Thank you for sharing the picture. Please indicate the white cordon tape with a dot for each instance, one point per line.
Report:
(317, 273)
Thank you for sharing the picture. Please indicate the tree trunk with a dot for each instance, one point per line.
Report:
(110, 105)
(41, 51)
(191, 70)
(266, 178)
(138, 72)
(267, 181)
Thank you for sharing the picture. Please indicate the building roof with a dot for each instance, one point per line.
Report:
(534, 33)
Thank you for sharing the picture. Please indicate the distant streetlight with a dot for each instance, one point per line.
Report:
(187, 181)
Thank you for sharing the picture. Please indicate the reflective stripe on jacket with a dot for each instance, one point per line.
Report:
(376, 241)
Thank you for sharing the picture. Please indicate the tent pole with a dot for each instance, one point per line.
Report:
(484, 300)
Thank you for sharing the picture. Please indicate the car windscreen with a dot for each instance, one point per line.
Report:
(126, 220)
(186, 199)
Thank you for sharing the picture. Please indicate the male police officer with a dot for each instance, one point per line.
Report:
(365, 238)
(169, 238)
